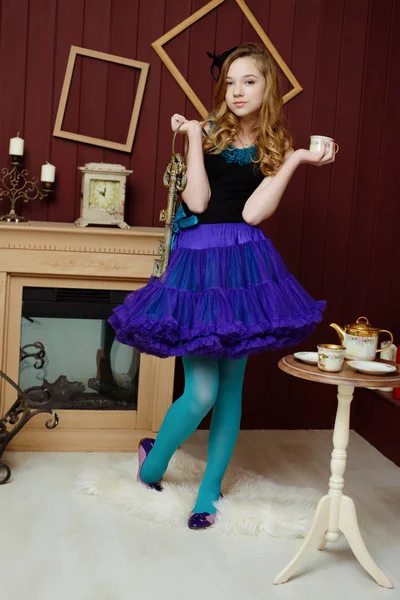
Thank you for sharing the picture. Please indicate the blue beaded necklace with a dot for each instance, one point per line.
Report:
(241, 156)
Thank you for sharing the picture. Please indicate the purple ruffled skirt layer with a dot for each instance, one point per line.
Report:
(226, 292)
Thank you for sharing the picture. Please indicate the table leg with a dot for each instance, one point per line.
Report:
(335, 512)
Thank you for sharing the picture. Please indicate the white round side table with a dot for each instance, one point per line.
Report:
(336, 513)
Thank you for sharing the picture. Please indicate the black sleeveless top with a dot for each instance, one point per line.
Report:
(231, 185)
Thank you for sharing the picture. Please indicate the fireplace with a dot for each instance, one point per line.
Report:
(68, 348)
(58, 286)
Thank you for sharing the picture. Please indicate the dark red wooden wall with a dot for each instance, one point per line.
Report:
(337, 227)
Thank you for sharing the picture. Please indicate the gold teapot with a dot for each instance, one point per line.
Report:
(361, 339)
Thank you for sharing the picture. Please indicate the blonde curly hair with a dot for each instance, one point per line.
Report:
(272, 139)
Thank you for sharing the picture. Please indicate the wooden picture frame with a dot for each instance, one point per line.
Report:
(59, 132)
(158, 47)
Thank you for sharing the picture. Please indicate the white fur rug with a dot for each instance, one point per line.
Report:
(252, 505)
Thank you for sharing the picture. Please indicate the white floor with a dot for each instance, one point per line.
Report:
(58, 544)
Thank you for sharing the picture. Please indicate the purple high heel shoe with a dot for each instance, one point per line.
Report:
(145, 445)
(202, 520)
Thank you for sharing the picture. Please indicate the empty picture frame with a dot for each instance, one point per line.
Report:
(158, 47)
(59, 132)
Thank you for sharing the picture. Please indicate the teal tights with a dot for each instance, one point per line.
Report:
(209, 383)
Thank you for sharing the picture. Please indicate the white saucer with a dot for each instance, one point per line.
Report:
(370, 367)
(311, 358)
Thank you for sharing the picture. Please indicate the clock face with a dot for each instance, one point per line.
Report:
(104, 194)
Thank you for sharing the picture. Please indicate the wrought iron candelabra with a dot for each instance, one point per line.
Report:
(15, 186)
(19, 414)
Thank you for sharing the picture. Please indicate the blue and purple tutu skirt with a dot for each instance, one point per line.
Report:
(226, 292)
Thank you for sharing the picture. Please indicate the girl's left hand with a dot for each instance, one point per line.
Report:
(318, 159)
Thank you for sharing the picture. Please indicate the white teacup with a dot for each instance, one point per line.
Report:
(330, 357)
(316, 143)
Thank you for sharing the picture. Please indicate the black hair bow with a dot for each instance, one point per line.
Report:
(218, 61)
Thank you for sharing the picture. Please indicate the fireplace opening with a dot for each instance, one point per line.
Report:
(69, 349)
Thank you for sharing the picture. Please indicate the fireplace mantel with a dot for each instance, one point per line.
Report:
(63, 255)
(115, 252)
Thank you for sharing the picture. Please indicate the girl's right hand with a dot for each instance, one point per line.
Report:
(186, 125)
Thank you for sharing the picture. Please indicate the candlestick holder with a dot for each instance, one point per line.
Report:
(15, 186)
(19, 414)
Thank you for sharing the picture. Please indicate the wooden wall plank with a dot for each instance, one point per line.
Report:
(378, 421)
(390, 183)
(38, 98)
(317, 198)
(93, 82)
(387, 194)
(372, 115)
(202, 40)
(142, 183)
(393, 321)
(68, 32)
(14, 26)
(229, 26)
(347, 132)
(121, 89)
(122, 81)
(172, 99)
(261, 11)
(300, 114)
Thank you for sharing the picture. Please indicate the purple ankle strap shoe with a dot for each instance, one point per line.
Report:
(145, 445)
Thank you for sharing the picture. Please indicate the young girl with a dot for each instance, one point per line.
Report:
(226, 292)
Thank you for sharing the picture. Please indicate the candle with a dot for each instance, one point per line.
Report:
(16, 146)
(48, 173)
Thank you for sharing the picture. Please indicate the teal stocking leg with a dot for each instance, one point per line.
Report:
(224, 430)
(185, 415)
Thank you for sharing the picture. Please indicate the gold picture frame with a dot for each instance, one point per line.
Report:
(158, 47)
(59, 132)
